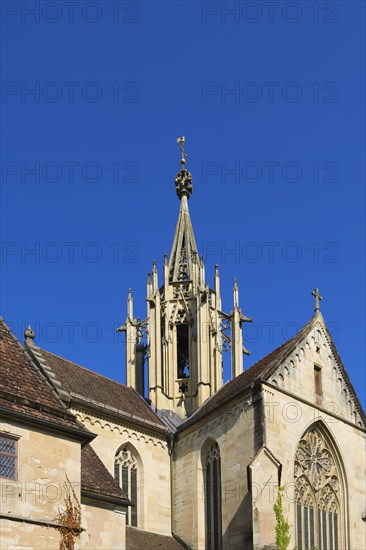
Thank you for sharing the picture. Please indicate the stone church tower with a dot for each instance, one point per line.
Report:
(185, 332)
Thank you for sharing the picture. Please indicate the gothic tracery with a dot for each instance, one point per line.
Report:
(317, 489)
(126, 473)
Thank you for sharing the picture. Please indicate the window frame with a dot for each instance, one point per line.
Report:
(324, 529)
(133, 515)
(213, 499)
(15, 456)
(318, 380)
(183, 351)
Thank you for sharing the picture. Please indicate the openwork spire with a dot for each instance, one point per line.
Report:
(180, 343)
(184, 252)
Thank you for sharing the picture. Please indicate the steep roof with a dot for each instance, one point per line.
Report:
(25, 391)
(235, 387)
(262, 370)
(136, 539)
(99, 391)
(96, 481)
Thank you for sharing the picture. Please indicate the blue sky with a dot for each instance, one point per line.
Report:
(270, 99)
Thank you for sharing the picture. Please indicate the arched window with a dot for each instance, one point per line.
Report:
(182, 350)
(127, 474)
(317, 490)
(213, 498)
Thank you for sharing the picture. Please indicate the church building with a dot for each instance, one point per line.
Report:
(176, 458)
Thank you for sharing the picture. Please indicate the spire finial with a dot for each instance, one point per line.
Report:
(317, 296)
(130, 304)
(236, 293)
(183, 180)
(181, 141)
(29, 335)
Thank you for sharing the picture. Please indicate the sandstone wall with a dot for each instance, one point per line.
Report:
(233, 429)
(154, 467)
(39, 491)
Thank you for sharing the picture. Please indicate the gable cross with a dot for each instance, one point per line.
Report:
(317, 296)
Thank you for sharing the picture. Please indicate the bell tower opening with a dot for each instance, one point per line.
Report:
(182, 350)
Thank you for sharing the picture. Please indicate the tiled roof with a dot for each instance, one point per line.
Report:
(25, 390)
(136, 539)
(95, 478)
(99, 390)
(235, 387)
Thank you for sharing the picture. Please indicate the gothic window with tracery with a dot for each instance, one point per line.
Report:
(213, 498)
(317, 494)
(126, 473)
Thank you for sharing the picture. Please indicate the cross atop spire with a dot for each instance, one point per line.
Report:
(317, 296)
(181, 141)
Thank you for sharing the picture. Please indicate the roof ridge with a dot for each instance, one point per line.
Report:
(284, 351)
(285, 343)
(16, 341)
(277, 354)
(35, 389)
(252, 366)
(344, 371)
(32, 363)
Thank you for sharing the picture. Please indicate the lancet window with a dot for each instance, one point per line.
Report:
(126, 473)
(182, 350)
(213, 498)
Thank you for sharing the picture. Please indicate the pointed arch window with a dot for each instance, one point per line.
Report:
(213, 498)
(183, 262)
(317, 491)
(126, 473)
(182, 350)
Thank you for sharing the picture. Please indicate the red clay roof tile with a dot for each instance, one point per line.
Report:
(95, 477)
(94, 387)
(24, 389)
